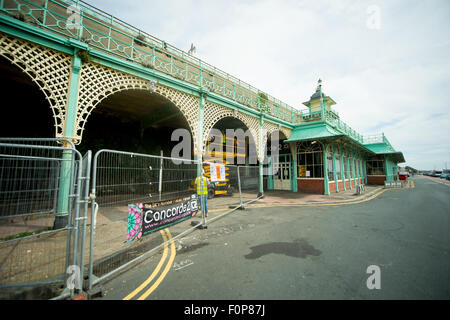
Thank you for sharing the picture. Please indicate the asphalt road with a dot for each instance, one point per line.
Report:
(320, 252)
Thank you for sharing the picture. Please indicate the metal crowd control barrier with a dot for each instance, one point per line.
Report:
(244, 181)
(120, 179)
(360, 189)
(38, 178)
(393, 184)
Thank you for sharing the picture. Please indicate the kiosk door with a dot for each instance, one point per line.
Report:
(282, 177)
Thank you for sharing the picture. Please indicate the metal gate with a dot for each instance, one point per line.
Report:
(41, 181)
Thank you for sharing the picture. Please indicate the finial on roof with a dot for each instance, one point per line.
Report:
(319, 85)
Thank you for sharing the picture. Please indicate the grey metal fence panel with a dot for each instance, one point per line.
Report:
(118, 180)
(249, 182)
(32, 252)
(242, 185)
(30, 185)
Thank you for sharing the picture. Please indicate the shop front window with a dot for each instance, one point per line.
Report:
(337, 156)
(330, 164)
(309, 160)
(346, 166)
(375, 166)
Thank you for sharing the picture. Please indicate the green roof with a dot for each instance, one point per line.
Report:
(387, 149)
(321, 130)
(312, 132)
(379, 148)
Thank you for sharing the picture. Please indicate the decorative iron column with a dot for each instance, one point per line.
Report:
(336, 184)
(349, 170)
(361, 169)
(325, 169)
(365, 171)
(353, 168)
(201, 118)
(269, 173)
(342, 169)
(261, 157)
(294, 186)
(62, 213)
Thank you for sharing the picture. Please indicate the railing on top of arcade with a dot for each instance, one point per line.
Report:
(344, 127)
(332, 117)
(378, 138)
(103, 32)
(374, 138)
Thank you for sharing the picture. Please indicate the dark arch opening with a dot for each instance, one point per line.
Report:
(25, 112)
(244, 149)
(134, 120)
(283, 148)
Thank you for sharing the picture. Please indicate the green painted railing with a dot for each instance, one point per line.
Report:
(333, 119)
(378, 138)
(102, 31)
(336, 122)
(375, 138)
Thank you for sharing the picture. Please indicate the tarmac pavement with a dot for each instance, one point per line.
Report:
(310, 252)
(111, 248)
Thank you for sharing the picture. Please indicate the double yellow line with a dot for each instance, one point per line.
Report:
(167, 237)
(155, 272)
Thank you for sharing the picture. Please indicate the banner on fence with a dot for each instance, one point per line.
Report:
(144, 218)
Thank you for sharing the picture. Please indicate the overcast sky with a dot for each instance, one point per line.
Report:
(385, 63)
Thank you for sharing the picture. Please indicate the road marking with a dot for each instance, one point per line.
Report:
(316, 204)
(437, 181)
(154, 273)
(183, 264)
(173, 253)
(272, 205)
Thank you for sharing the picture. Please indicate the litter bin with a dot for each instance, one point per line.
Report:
(403, 175)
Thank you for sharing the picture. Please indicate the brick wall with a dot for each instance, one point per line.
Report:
(347, 184)
(332, 187)
(376, 180)
(310, 185)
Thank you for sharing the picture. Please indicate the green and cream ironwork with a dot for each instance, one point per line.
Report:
(79, 55)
